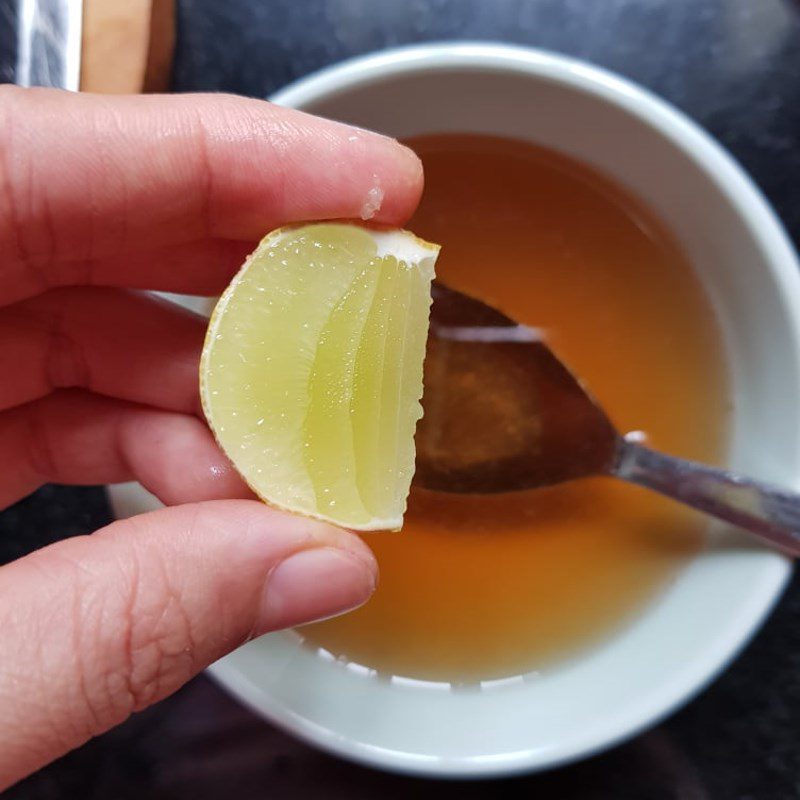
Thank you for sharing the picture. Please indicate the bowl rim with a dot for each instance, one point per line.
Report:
(782, 265)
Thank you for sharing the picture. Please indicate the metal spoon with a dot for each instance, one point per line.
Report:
(502, 413)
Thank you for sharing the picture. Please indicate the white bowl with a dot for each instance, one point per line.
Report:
(685, 637)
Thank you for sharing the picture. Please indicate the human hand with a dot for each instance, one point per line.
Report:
(99, 197)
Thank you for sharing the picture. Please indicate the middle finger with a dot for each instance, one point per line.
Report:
(114, 342)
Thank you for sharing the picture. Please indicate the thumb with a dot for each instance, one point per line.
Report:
(96, 627)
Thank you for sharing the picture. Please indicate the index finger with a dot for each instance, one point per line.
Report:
(87, 177)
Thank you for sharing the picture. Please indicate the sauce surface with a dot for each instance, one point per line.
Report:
(478, 588)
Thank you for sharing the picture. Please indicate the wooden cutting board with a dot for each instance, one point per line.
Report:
(127, 45)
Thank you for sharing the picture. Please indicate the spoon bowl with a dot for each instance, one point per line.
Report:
(503, 413)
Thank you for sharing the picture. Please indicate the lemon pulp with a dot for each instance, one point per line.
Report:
(311, 372)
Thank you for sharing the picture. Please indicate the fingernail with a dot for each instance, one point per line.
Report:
(412, 160)
(312, 585)
(403, 156)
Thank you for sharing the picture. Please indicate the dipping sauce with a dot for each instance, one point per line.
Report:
(482, 587)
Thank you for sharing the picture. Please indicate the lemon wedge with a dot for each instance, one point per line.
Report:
(311, 371)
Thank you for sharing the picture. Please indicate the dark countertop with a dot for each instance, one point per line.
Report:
(733, 65)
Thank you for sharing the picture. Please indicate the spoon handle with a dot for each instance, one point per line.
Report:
(768, 511)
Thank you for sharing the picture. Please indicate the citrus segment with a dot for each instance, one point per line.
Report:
(311, 372)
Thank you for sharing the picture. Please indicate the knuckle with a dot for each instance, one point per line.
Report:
(26, 224)
(66, 365)
(67, 644)
(160, 645)
(131, 637)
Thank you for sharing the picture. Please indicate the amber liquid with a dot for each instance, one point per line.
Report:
(484, 587)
